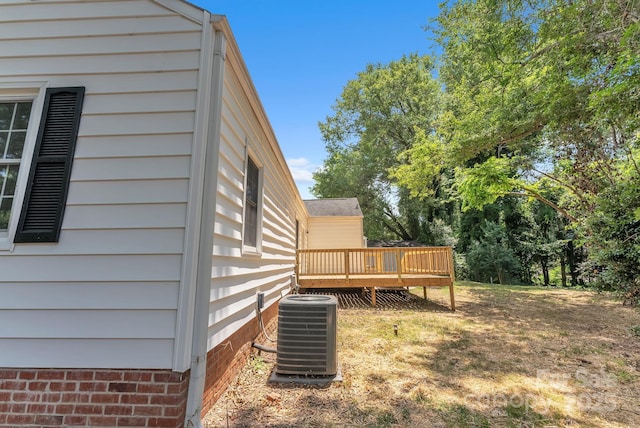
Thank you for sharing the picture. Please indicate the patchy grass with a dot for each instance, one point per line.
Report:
(509, 357)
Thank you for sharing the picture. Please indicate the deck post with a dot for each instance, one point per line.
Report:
(346, 264)
(424, 291)
(452, 273)
(453, 300)
(373, 296)
(399, 265)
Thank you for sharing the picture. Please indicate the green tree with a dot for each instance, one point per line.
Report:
(546, 239)
(491, 258)
(534, 89)
(539, 93)
(378, 117)
(615, 245)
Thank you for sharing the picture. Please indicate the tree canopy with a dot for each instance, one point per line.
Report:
(551, 89)
(378, 117)
(537, 100)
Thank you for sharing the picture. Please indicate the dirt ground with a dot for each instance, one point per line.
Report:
(509, 356)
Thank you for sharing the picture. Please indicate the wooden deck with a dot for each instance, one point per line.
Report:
(377, 268)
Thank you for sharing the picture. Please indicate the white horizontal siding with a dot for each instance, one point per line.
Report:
(247, 271)
(57, 324)
(125, 192)
(62, 268)
(16, 11)
(231, 167)
(125, 216)
(228, 189)
(110, 242)
(136, 124)
(229, 286)
(100, 169)
(123, 146)
(142, 102)
(33, 48)
(105, 295)
(235, 319)
(91, 295)
(132, 84)
(237, 277)
(225, 246)
(96, 26)
(129, 63)
(99, 353)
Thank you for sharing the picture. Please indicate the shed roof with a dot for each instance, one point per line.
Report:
(333, 207)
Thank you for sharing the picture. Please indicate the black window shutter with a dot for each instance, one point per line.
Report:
(46, 194)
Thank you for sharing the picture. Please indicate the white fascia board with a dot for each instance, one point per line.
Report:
(186, 9)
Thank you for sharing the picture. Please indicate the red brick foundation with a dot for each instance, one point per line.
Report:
(225, 361)
(120, 398)
(81, 397)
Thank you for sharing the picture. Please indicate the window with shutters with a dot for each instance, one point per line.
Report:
(252, 207)
(38, 131)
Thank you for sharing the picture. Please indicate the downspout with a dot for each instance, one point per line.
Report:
(198, 368)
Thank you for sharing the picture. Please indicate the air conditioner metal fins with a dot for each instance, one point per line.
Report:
(307, 327)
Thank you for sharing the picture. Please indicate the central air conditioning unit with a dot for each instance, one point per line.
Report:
(307, 335)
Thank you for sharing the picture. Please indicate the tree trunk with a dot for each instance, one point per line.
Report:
(571, 260)
(397, 227)
(563, 269)
(581, 255)
(544, 263)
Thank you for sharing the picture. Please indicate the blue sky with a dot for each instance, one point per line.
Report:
(300, 55)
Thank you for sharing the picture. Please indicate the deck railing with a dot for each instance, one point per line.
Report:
(375, 261)
(377, 267)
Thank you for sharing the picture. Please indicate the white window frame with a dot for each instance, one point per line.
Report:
(250, 249)
(13, 92)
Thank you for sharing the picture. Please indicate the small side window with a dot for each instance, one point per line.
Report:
(252, 206)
